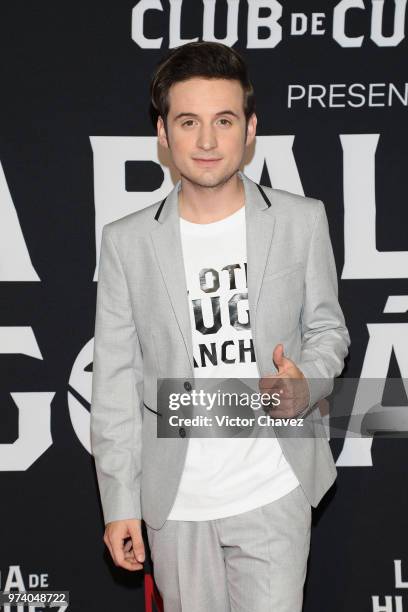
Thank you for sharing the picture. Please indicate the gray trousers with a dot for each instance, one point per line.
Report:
(251, 562)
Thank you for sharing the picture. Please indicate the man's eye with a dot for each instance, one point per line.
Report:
(190, 121)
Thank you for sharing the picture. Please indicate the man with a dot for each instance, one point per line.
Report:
(223, 278)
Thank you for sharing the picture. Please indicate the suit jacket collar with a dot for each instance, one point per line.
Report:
(166, 238)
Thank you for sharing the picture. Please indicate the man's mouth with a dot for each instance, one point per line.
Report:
(204, 161)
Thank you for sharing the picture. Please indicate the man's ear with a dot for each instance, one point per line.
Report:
(161, 133)
(251, 129)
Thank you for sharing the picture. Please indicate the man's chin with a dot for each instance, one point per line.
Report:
(208, 178)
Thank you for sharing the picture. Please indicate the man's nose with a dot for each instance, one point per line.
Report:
(206, 137)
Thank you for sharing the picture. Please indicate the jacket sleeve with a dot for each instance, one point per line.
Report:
(116, 422)
(325, 338)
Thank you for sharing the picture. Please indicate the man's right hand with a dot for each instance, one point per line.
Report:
(131, 555)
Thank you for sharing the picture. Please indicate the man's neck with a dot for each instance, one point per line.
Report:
(209, 204)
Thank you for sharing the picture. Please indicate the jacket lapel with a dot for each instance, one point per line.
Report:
(167, 245)
(260, 224)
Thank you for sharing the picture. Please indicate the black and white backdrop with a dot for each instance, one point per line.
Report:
(78, 149)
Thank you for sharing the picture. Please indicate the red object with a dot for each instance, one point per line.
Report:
(151, 595)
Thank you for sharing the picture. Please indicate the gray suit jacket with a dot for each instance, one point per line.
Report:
(142, 332)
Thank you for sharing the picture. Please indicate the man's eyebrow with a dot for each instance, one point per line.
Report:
(224, 112)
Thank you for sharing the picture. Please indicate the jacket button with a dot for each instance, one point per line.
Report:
(182, 432)
(187, 385)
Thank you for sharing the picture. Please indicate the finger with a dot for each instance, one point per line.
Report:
(273, 382)
(289, 407)
(271, 379)
(284, 381)
(130, 556)
(129, 552)
(116, 541)
(138, 547)
(128, 545)
(135, 532)
(108, 544)
(277, 356)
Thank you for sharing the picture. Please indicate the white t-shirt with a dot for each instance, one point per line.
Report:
(224, 476)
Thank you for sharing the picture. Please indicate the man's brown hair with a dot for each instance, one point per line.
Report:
(198, 59)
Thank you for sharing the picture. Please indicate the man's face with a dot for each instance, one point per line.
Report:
(206, 121)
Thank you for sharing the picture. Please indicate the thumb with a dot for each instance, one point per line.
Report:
(278, 357)
(137, 542)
